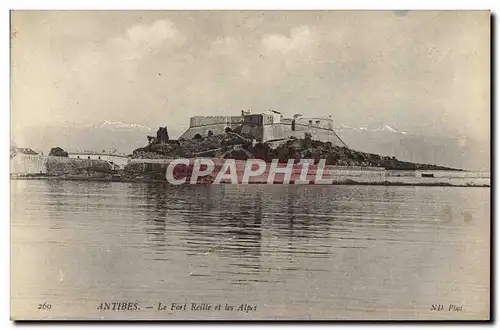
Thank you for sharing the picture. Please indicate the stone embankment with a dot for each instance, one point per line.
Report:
(58, 166)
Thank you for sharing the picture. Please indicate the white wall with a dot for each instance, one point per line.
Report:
(27, 164)
(120, 161)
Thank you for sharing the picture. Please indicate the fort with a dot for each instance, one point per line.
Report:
(267, 126)
(266, 136)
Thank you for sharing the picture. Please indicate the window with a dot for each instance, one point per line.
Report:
(99, 157)
(78, 157)
(88, 157)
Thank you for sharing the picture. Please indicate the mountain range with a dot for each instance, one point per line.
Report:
(458, 152)
(106, 135)
(452, 151)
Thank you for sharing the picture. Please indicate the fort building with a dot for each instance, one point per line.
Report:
(266, 126)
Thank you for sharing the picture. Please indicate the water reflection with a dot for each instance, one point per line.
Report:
(296, 250)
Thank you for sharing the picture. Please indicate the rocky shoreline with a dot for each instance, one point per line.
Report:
(236, 146)
(338, 183)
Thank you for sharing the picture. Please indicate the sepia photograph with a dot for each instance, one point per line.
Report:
(250, 165)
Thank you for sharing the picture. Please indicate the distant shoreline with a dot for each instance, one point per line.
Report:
(337, 183)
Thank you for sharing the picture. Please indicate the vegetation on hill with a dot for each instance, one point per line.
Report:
(58, 151)
(233, 145)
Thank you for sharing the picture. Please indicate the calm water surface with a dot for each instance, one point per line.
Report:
(323, 252)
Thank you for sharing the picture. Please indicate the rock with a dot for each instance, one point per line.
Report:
(70, 166)
(226, 145)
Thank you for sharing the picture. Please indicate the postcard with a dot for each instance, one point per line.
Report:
(250, 165)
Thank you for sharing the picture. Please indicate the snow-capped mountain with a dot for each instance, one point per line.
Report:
(383, 128)
(108, 135)
(453, 151)
(387, 128)
(122, 125)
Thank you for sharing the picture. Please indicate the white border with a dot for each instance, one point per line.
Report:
(255, 4)
(185, 4)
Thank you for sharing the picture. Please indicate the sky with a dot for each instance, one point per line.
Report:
(425, 72)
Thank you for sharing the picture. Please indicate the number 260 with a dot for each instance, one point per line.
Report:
(44, 306)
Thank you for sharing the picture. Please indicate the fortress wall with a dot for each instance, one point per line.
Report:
(284, 130)
(120, 161)
(253, 130)
(316, 122)
(36, 164)
(320, 129)
(65, 165)
(277, 131)
(211, 120)
(27, 164)
(217, 124)
(236, 120)
(203, 130)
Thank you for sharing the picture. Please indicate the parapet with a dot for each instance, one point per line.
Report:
(197, 121)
